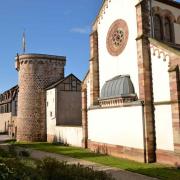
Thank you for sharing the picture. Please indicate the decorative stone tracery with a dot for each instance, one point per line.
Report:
(117, 37)
(156, 51)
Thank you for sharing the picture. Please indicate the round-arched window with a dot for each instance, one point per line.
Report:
(167, 29)
(158, 33)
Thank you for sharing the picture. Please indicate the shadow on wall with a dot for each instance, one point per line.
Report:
(60, 140)
(101, 149)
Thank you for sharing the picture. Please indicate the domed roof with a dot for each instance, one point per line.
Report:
(119, 86)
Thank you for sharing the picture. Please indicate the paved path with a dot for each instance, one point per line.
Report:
(4, 138)
(116, 173)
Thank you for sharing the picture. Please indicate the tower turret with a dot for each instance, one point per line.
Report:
(36, 72)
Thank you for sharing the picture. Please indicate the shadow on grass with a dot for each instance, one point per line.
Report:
(60, 149)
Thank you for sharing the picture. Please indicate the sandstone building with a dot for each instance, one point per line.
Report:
(8, 111)
(130, 96)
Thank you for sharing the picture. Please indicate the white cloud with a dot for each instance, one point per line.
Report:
(81, 30)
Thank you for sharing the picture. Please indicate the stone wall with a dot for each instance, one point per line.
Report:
(36, 72)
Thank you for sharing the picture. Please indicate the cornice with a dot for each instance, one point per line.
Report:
(101, 13)
(39, 59)
(40, 56)
(164, 46)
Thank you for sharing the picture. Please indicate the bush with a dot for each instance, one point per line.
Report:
(5, 172)
(51, 169)
(3, 153)
(12, 150)
(17, 170)
(24, 153)
(13, 168)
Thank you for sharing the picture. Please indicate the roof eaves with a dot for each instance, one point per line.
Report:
(99, 12)
(171, 3)
(165, 46)
(61, 81)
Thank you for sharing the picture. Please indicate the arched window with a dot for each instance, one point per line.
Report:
(167, 30)
(158, 33)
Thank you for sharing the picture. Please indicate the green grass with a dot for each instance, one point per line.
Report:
(153, 170)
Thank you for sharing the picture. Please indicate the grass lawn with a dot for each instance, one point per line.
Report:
(153, 170)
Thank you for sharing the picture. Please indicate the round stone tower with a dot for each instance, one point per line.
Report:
(36, 72)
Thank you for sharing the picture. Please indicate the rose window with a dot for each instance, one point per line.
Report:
(117, 37)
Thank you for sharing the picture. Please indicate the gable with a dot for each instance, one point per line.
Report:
(118, 57)
(70, 83)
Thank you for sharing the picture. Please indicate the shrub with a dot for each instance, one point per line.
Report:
(18, 170)
(51, 169)
(24, 153)
(5, 172)
(12, 150)
(14, 168)
(3, 153)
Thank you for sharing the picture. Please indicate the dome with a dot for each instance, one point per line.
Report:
(119, 86)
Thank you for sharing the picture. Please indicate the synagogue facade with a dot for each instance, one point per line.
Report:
(130, 96)
(128, 104)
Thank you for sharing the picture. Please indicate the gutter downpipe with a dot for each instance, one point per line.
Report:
(144, 135)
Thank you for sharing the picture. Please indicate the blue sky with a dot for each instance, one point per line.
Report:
(58, 27)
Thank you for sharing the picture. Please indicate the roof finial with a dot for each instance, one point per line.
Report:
(24, 42)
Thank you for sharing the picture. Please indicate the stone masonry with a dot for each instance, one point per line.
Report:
(36, 72)
(94, 69)
(145, 77)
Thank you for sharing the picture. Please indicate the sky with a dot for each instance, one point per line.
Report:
(56, 27)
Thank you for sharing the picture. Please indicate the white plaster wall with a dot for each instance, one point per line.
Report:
(176, 13)
(51, 107)
(126, 62)
(88, 93)
(164, 130)
(4, 118)
(69, 135)
(160, 75)
(116, 126)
